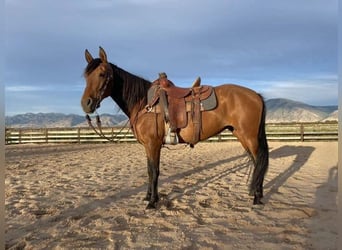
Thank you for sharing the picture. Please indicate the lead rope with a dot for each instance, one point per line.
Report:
(100, 133)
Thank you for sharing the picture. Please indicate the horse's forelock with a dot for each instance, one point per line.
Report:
(92, 66)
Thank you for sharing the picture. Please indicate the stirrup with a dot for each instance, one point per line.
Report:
(171, 137)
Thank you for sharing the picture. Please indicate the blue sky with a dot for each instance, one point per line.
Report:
(282, 49)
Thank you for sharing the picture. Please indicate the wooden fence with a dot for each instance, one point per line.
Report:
(275, 132)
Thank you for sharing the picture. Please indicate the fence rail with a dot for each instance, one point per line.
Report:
(274, 132)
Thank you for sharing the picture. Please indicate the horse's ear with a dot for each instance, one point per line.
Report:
(103, 55)
(88, 56)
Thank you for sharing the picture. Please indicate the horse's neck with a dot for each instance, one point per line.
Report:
(130, 109)
(128, 112)
(121, 104)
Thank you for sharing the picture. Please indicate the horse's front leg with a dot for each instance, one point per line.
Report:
(149, 187)
(152, 191)
(153, 161)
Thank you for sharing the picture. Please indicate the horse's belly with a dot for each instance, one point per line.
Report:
(211, 124)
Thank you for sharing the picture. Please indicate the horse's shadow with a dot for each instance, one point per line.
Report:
(177, 193)
(301, 153)
(326, 211)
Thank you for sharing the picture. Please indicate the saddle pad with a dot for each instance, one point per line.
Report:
(151, 93)
(210, 103)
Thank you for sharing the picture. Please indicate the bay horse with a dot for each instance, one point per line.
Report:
(239, 109)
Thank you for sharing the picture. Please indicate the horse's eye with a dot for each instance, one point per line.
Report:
(102, 74)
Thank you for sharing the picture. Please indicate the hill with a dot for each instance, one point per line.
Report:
(53, 120)
(278, 110)
(285, 110)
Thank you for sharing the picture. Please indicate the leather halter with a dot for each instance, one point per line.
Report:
(109, 77)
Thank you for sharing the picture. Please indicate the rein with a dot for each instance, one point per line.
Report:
(99, 131)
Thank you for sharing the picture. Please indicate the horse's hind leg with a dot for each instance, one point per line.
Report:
(261, 166)
(258, 151)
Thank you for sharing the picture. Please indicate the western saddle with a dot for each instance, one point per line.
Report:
(177, 104)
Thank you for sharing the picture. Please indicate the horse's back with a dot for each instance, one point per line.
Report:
(234, 90)
(238, 99)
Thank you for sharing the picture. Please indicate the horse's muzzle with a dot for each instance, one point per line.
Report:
(89, 105)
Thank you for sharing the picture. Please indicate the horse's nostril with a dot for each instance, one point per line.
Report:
(89, 102)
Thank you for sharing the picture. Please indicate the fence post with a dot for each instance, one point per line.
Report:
(19, 135)
(6, 136)
(46, 135)
(79, 135)
(301, 132)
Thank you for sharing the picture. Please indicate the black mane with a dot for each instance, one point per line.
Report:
(134, 88)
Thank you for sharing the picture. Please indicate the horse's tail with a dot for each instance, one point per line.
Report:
(261, 161)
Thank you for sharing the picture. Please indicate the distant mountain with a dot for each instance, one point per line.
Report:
(332, 117)
(278, 110)
(53, 120)
(285, 110)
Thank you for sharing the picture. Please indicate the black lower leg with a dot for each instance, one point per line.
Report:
(154, 197)
(149, 188)
(258, 194)
(257, 199)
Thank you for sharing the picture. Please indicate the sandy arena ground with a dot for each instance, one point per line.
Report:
(91, 196)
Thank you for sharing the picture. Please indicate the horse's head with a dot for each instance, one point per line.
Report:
(98, 75)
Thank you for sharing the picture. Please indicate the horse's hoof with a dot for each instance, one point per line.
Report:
(257, 201)
(151, 206)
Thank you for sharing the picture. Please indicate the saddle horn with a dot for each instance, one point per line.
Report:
(196, 83)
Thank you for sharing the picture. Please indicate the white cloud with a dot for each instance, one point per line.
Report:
(24, 88)
(314, 92)
(47, 88)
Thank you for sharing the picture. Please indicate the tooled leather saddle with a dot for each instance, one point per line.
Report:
(178, 104)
